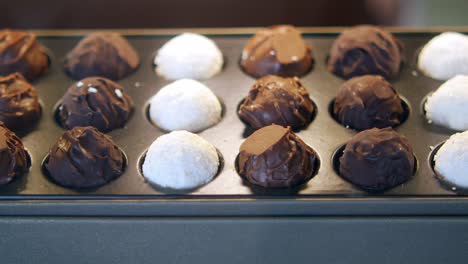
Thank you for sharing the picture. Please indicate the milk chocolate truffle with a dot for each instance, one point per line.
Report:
(366, 102)
(83, 158)
(277, 100)
(20, 52)
(101, 54)
(275, 157)
(277, 50)
(364, 50)
(377, 159)
(13, 156)
(97, 102)
(19, 106)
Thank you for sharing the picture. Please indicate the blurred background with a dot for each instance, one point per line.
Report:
(228, 13)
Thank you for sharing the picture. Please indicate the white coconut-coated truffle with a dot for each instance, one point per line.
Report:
(448, 105)
(190, 56)
(185, 105)
(180, 160)
(445, 56)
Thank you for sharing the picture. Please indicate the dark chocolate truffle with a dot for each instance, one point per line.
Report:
(96, 102)
(102, 54)
(377, 159)
(277, 50)
(366, 102)
(83, 158)
(19, 106)
(13, 157)
(277, 100)
(20, 52)
(275, 157)
(364, 50)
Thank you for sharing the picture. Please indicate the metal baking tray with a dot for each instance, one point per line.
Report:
(326, 193)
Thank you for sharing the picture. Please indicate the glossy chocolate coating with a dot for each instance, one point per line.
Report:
(365, 50)
(101, 54)
(277, 100)
(377, 159)
(83, 158)
(275, 157)
(277, 50)
(96, 102)
(20, 52)
(368, 101)
(13, 157)
(19, 105)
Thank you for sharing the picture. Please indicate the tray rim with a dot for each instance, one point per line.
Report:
(237, 208)
(231, 31)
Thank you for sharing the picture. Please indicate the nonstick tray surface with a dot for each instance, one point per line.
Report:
(324, 134)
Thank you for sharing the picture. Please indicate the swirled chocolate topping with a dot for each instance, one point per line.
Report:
(96, 102)
(83, 158)
(365, 50)
(20, 52)
(377, 159)
(277, 100)
(13, 156)
(19, 105)
(101, 54)
(366, 102)
(275, 157)
(277, 50)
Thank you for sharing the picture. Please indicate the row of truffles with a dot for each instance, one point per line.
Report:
(275, 157)
(277, 50)
(448, 107)
(362, 103)
(272, 157)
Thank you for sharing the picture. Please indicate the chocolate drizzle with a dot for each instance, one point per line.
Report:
(101, 54)
(277, 100)
(277, 50)
(20, 52)
(377, 159)
(96, 102)
(365, 50)
(19, 105)
(275, 157)
(13, 156)
(366, 102)
(83, 158)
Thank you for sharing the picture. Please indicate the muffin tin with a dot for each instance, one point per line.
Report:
(324, 134)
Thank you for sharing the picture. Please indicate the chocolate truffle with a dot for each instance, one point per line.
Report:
(277, 100)
(101, 54)
(364, 50)
(19, 106)
(96, 102)
(366, 102)
(83, 158)
(377, 159)
(275, 157)
(13, 157)
(20, 52)
(277, 50)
